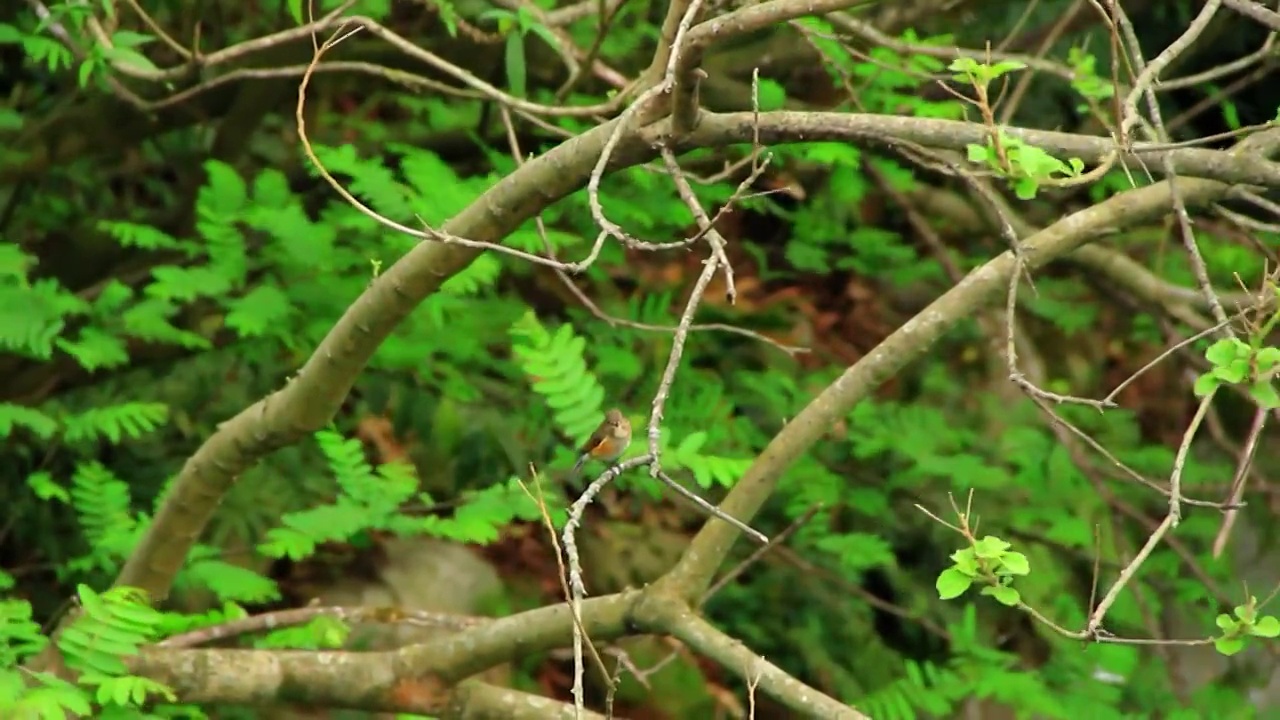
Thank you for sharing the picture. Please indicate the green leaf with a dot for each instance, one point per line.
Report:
(129, 57)
(1226, 622)
(86, 72)
(1229, 645)
(966, 561)
(19, 416)
(952, 583)
(134, 235)
(287, 542)
(1006, 66)
(10, 35)
(1264, 393)
(1003, 594)
(1225, 350)
(516, 70)
(1015, 563)
(13, 262)
(1246, 613)
(231, 583)
(1267, 358)
(1233, 372)
(129, 38)
(95, 349)
(546, 34)
(1206, 384)
(692, 443)
(223, 195)
(46, 488)
(771, 95)
(116, 422)
(857, 552)
(265, 309)
(1025, 188)
(1267, 626)
(990, 547)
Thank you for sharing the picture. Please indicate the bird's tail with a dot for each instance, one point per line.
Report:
(577, 467)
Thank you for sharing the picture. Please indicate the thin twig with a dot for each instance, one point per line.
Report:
(1243, 465)
(712, 509)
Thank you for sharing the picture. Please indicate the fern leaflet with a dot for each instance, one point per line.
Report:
(130, 420)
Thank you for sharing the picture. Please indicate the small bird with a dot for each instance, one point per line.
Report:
(608, 442)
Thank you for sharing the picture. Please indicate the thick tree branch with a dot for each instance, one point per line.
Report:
(677, 619)
(311, 399)
(430, 677)
(388, 681)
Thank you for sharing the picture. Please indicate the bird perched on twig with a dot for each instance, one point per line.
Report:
(608, 442)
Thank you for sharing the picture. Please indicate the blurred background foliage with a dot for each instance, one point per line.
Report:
(162, 268)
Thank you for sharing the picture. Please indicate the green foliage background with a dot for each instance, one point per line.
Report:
(119, 362)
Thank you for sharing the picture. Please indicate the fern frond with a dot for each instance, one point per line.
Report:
(924, 687)
(50, 697)
(114, 625)
(143, 237)
(708, 470)
(368, 500)
(101, 502)
(555, 364)
(115, 422)
(126, 694)
(300, 244)
(378, 494)
(440, 193)
(263, 310)
(399, 482)
(271, 190)
(324, 632)
(650, 308)
(345, 458)
(326, 523)
(45, 487)
(452, 300)
(189, 283)
(218, 205)
(16, 416)
(856, 552)
(149, 320)
(94, 349)
(31, 317)
(371, 181)
(230, 583)
(480, 275)
(483, 515)
(176, 623)
(20, 635)
(287, 542)
(13, 262)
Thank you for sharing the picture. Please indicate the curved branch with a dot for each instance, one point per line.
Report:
(716, 129)
(687, 626)
(312, 398)
(980, 288)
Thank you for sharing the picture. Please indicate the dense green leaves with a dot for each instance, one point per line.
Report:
(235, 269)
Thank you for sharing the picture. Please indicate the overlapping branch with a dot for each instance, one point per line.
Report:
(659, 117)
